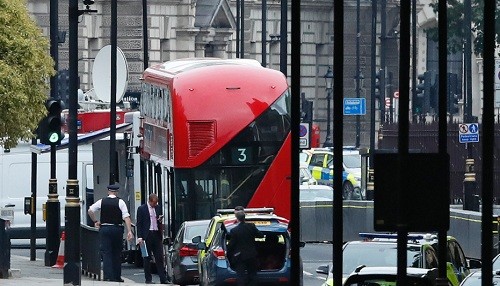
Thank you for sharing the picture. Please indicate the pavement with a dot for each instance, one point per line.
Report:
(31, 273)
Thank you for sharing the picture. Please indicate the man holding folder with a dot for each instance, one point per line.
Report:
(149, 235)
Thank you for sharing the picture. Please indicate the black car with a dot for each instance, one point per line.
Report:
(182, 255)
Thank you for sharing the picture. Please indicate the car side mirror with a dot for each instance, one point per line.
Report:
(201, 246)
(196, 239)
(167, 241)
(322, 269)
(474, 263)
(302, 244)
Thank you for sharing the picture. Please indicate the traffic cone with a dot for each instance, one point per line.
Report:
(60, 255)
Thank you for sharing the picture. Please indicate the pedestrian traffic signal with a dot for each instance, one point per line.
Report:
(49, 129)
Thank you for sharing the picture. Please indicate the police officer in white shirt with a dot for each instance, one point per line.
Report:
(113, 212)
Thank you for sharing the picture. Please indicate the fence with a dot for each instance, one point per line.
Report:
(424, 137)
(91, 256)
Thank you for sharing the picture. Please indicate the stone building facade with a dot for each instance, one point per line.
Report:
(199, 28)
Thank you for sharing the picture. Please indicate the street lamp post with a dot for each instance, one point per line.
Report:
(329, 88)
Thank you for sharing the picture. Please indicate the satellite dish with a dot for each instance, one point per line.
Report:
(101, 74)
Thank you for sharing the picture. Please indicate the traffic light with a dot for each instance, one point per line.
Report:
(307, 111)
(434, 97)
(49, 129)
(453, 96)
(63, 84)
(423, 93)
(377, 84)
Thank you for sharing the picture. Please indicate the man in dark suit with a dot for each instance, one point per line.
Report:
(242, 250)
(148, 225)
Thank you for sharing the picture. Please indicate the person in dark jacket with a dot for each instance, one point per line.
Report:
(242, 250)
(113, 212)
(149, 231)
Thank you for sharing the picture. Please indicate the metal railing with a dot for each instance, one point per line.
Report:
(90, 251)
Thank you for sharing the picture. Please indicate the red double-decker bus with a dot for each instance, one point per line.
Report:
(215, 134)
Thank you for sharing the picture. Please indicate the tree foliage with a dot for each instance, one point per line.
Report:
(456, 25)
(25, 70)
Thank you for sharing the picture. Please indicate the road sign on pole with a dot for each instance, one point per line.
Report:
(305, 135)
(354, 106)
(468, 132)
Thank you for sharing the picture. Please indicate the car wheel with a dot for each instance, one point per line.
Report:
(174, 279)
(357, 194)
(347, 190)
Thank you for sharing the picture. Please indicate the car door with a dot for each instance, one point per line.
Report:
(459, 260)
(173, 251)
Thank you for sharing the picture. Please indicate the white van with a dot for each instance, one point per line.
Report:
(15, 185)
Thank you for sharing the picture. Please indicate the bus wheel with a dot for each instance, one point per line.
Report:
(347, 190)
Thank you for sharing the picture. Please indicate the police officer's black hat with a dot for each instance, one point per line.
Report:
(114, 187)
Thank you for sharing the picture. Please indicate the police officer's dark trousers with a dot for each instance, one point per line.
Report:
(111, 248)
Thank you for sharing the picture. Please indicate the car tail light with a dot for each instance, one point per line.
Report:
(219, 253)
(230, 281)
(186, 251)
(282, 279)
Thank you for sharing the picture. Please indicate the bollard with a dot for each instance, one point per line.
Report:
(5, 253)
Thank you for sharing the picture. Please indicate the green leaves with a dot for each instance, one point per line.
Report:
(25, 69)
(456, 26)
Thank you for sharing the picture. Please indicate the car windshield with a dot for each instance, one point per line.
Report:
(351, 161)
(375, 254)
(496, 263)
(195, 230)
(316, 194)
(475, 280)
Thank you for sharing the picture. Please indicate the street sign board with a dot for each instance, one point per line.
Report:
(354, 106)
(305, 135)
(468, 132)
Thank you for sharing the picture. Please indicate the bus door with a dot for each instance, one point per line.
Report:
(166, 199)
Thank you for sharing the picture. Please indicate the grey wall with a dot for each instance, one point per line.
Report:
(316, 221)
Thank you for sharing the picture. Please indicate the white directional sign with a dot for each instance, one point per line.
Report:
(354, 106)
(468, 132)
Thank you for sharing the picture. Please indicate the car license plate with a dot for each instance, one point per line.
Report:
(261, 222)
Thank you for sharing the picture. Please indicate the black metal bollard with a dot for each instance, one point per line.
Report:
(5, 253)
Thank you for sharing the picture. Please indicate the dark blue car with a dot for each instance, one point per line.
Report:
(273, 249)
